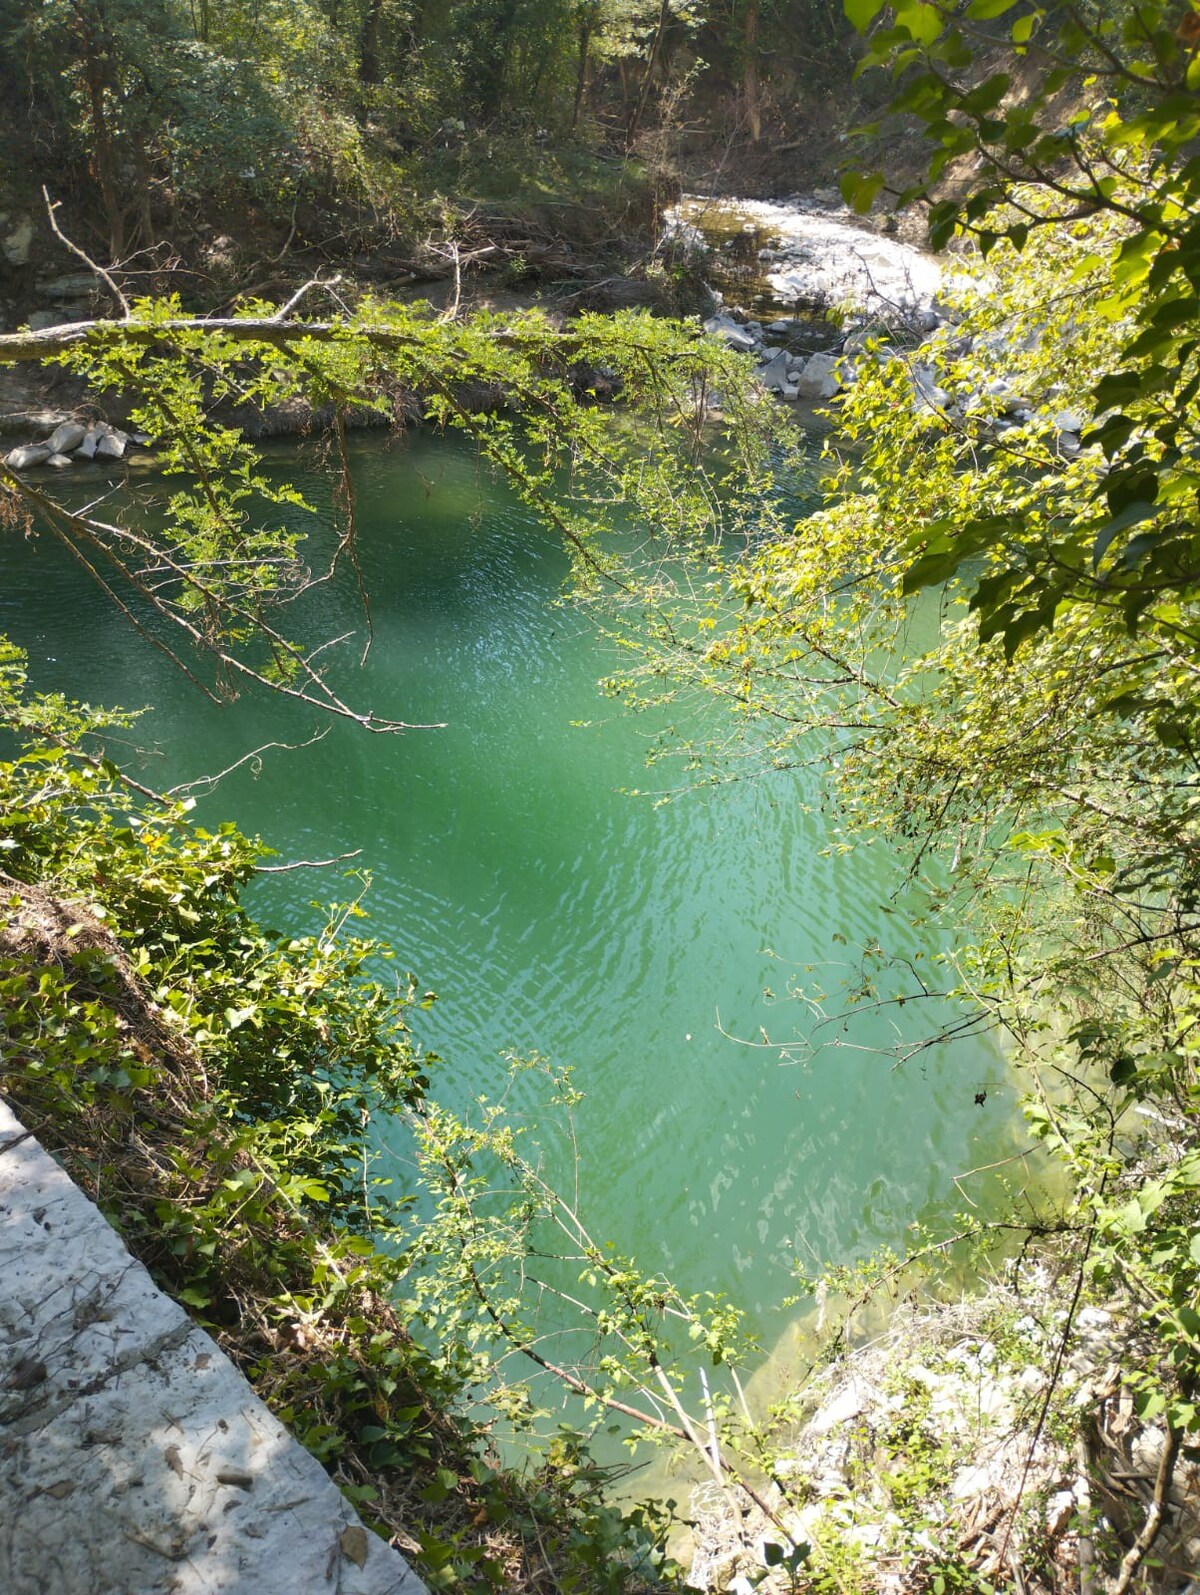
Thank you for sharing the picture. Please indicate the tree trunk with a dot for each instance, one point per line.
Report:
(103, 157)
(585, 44)
(368, 43)
(639, 110)
(750, 87)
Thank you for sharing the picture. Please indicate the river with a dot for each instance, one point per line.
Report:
(648, 947)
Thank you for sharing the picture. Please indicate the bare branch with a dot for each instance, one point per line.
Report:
(306, 863)
(207, 782)
(51, 207)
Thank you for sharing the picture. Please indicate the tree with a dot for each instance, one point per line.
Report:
(225, 572)
(1127, 76)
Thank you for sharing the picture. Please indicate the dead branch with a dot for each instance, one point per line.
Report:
(51, 207)
(1156, 1514)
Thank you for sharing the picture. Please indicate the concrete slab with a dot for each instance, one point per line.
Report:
(134, 1457)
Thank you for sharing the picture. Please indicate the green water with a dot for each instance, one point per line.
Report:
(551, 912)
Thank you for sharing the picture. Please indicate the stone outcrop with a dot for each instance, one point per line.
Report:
(136, 1458)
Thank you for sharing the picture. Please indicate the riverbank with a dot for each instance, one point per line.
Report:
(986, 1442)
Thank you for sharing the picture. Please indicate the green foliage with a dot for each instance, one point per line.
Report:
(518, 1268)
(1107, 138)
(228, 552)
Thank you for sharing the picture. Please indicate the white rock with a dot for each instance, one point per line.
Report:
(137, 1458)
(29, 454)
(66, 437)
(839, 1409)
(110, 446)
(90, 442)
(1090, 1317)
(774, 374)
(18, 243)
(1073, 421)
(59, 462)
(975, 1480)
(1060, 1509)
(866, 1534)
(735, 335)
(819, 379)
(789, 391)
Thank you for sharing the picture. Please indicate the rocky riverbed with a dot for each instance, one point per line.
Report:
(952, 1448)
(815, 296)
(809, 256)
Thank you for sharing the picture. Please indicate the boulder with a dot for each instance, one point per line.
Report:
(735, 335)
(59, 462)
(779, 326)
(774, 374)
(928, 392)
(75, 285)
(66, 437)
(111, 446)
(29, 454)
(819, 379)
(789, 391)
(87, 448)
(41, 319)
(1069, 421)
(18, 243)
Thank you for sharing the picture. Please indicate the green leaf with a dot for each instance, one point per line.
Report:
(1131, 515)
(924, 22)
(860, 188)
(861, 13)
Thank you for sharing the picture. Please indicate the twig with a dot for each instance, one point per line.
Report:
(209, 781)
(305, 863)
(314, 282)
